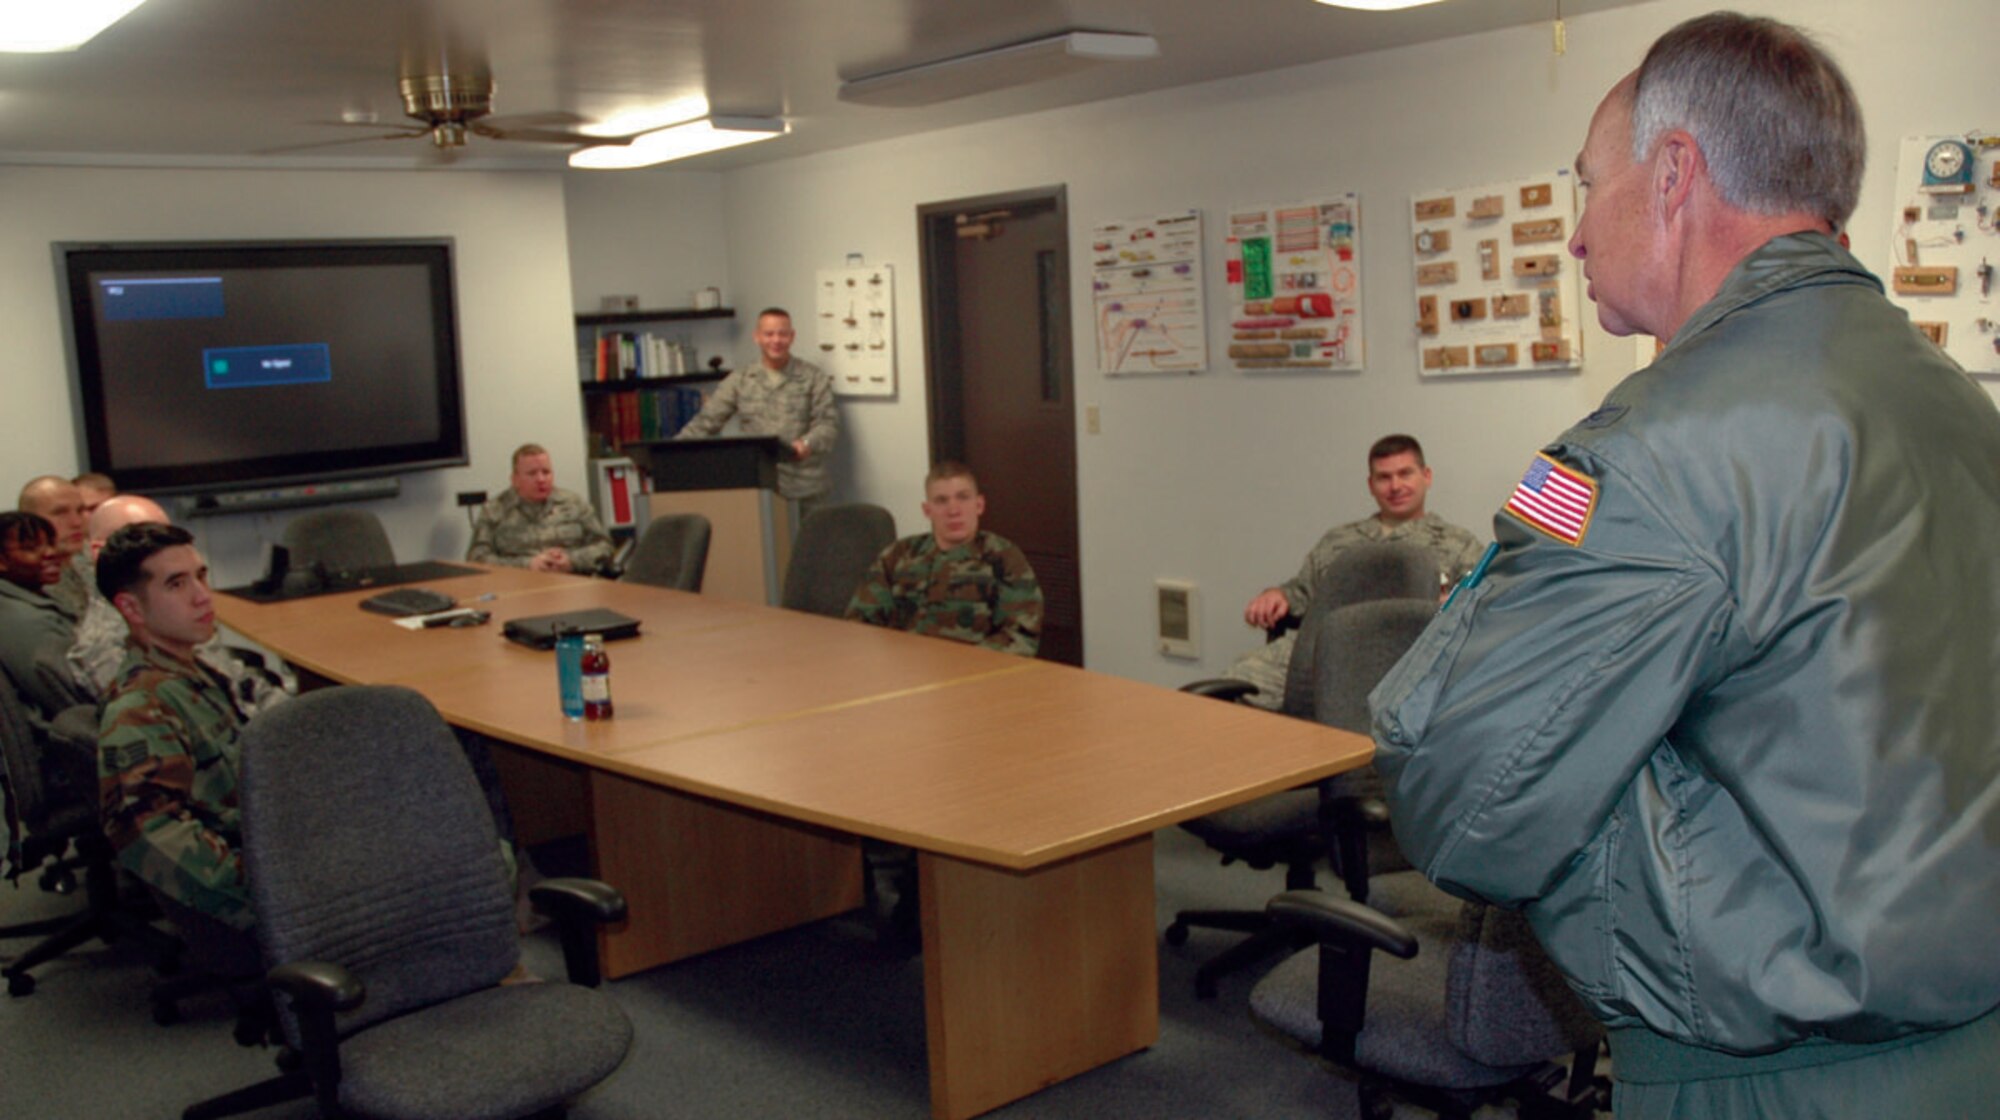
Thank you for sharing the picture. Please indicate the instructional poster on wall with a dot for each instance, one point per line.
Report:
(1496, 289)
(1947, 244)
(1146, 287)
(1295, 285)
(857, 330)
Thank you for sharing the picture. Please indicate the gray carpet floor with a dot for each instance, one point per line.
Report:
(821, 1021)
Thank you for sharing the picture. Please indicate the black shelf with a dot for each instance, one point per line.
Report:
(618, 318)
(590, 387)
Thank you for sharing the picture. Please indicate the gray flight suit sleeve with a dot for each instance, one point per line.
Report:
(1511, 730)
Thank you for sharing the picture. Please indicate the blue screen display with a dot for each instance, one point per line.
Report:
(241, 367)
(129, 300)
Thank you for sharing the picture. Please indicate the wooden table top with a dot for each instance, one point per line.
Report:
(920, 741)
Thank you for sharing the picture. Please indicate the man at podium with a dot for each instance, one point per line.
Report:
(784, 397)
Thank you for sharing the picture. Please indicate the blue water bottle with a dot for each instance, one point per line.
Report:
(569, 672)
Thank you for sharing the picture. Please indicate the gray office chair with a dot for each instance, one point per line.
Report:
(1466, 1011)
(835, 546)
(1340, 655)
(338, 540)
(382, 898)
(672, 552)
(51, 779)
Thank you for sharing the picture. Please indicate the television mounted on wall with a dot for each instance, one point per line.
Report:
(216, 366)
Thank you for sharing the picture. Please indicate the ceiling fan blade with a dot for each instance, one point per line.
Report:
(510, 122)
(411, 134)
(533, 135)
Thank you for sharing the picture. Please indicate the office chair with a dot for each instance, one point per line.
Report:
(52, 780)
(672, 552)
(381, 895)
(338, 540)
(1468, 1011)
(1341, 653)
(831, 557)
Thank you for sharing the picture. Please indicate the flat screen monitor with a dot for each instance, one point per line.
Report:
(221, 366)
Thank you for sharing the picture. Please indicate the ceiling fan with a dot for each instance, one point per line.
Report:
(449, 92)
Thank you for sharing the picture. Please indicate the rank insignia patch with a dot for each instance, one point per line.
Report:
(1555, 500)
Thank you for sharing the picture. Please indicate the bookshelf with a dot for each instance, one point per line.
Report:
(625, 398)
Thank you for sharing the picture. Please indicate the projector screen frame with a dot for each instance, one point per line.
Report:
(77, 261)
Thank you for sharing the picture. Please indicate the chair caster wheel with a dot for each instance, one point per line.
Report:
(1177, 933)
(58, 881)
(20, 984)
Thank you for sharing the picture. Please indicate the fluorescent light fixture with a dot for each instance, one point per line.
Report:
(997, 68)
(1377, 5)
(46, 26)
(709, 134)
(631, 122)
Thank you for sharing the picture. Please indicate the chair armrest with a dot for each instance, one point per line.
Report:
(318, 985)
(317, 990)
(1220, 688)
(1331, 919)
(585, 899)
(579, 906)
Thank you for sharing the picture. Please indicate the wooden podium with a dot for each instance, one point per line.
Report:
(732, 481)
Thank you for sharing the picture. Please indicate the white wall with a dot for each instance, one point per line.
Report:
(513, 306)
(1227, 478)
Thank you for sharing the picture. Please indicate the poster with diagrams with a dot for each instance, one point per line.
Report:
(1496, 290)
(1295, 285)
(1145, 282)
(857, 330)
(1947, 244)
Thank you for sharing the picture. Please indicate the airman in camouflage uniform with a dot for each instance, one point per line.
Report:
(955, 581)
(167, 740)
(982, 592)
(1399, 481)
(167, 759)
(534, 525)
(784, 397)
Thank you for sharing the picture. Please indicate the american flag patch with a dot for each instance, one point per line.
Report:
(1555, 499)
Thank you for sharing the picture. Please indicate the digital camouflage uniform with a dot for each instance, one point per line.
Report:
(511, 530)
(982, 592)
(793, 403)
(74, 591)
(1456, 550)
(166, 765)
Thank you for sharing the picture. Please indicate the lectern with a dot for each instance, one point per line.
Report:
(732, 481)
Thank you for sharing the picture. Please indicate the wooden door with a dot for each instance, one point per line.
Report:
(996, 320)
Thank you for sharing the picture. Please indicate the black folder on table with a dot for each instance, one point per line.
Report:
(539, 631)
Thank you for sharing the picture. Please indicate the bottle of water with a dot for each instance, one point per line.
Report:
(596, 678)
(569, 673)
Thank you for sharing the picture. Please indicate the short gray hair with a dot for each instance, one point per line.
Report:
(1774, 116)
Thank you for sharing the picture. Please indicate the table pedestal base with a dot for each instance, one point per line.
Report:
(698, 875)
(1030, 978)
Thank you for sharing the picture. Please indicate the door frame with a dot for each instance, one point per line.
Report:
(936, 234)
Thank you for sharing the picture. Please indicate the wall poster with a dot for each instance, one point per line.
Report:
(1295, 285)
(857, 330)
(1146, 289)
(1946, 244)
(1496, 289)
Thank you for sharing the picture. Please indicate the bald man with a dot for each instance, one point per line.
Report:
(60, 502)
(101, 636)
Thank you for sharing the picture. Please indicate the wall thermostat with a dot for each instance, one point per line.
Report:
(1178, 605)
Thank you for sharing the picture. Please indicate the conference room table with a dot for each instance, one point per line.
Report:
(752, 747)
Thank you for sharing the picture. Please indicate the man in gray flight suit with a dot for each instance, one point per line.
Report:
(1721, 715)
